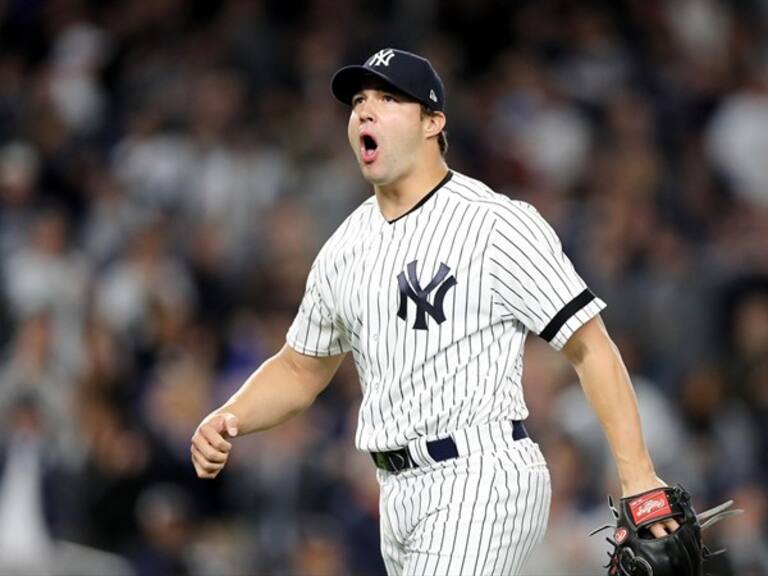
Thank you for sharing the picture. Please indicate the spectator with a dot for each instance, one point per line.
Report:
(169, 169)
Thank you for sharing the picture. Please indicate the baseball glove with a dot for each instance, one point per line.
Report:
(636, 552)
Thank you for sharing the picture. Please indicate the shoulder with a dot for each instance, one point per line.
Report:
(349, 233)
(360, 218)
(506, 211)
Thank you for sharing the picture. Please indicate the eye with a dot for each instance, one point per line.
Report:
(358, 99)
(389, 98)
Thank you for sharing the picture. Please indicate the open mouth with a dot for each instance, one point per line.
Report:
(368, 148)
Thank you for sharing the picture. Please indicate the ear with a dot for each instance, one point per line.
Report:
(434, 124)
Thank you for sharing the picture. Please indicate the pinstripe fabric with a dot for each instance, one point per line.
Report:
(435, 308)
(477, 514)
(511, 278)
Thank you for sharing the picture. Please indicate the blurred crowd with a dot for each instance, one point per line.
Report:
(169, 169)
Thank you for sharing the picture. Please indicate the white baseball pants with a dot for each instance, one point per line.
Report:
(478, 514)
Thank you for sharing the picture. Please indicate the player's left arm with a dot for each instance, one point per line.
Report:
(608, 388)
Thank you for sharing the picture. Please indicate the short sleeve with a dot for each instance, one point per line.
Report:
(314, 331)
(533, 280)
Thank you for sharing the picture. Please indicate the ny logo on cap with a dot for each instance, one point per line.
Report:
(410, 289)
(381, 58)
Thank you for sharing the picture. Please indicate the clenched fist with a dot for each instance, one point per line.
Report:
(210, 449)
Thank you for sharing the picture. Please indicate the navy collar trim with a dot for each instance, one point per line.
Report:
(426, 197)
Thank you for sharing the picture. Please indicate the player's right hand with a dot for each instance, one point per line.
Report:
(210, 449)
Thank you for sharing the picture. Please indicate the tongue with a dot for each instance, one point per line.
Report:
(369, 154)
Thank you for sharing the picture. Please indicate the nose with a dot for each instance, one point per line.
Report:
(365, 111)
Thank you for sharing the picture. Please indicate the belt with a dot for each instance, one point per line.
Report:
(439, 450)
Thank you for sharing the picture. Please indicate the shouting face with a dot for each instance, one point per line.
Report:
(387, 134)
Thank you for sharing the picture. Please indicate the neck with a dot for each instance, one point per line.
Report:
(397, 198)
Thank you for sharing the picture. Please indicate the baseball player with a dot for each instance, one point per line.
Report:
(433, 284)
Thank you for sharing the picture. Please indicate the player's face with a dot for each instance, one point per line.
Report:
(386, 135)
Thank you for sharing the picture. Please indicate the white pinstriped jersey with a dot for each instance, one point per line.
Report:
(436, 306)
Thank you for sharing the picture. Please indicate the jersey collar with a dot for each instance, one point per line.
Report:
(425, 198)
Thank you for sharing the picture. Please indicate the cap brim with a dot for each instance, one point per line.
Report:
(348, 81)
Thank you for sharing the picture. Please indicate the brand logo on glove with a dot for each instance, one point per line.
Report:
(649, 507)
(620, 535)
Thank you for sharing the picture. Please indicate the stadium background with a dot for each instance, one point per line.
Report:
(169, 169)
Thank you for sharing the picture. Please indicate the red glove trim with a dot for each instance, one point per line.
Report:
(650, 506)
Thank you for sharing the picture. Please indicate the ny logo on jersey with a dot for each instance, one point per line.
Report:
(381, 58)
(410, 288)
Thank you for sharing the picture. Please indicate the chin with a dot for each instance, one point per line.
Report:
(373, 175)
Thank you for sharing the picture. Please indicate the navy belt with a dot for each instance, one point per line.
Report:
(439, 450)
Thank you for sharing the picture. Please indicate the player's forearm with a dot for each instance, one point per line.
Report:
(271, 395)
(607, 385)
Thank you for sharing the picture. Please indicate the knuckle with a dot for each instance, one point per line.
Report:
(199, 442)
(210, 465)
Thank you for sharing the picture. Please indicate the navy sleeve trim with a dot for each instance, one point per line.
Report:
(565, 314)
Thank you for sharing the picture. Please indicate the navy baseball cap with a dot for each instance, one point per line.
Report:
(409, 73)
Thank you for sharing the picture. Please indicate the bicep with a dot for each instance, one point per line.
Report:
(314, 372)
(588, 340)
